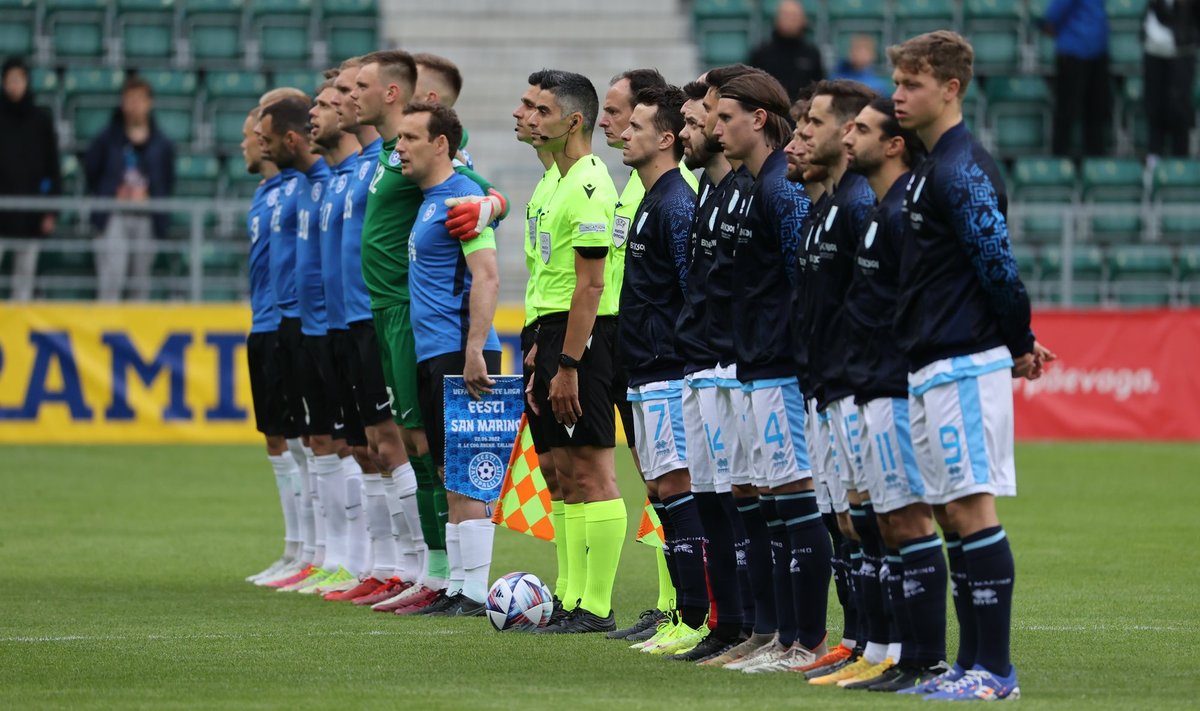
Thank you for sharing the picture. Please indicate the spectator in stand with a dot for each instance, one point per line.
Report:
(1171, 29)
(859, 65)
(788, 55)
(132, 159)
(1082, 93)
(30, 167)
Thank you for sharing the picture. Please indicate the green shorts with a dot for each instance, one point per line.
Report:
(398, 351)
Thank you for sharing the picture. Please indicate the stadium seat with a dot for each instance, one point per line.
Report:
(174, 104)
(89, 96)
(723, 46)
(1039, 182)
(1189, 275)
(1142, 275)
(282, 30)
(167, 82)
(177, 122)
(722, 9)
(995, 30)
(1110, 182)
(225, 85)
(1019, 112)
(214, 30)
(1087, 286)
(47, 89)
(146, 29)
(1132, 114)
(1177, 182)
(18, 22)
(914, 17)
(77, 28)
(230, 95)
(350, 27)
(848, 18)
(237, 182)
(1027, 263)
(306, 81)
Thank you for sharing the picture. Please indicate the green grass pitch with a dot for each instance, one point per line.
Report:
(121, 587)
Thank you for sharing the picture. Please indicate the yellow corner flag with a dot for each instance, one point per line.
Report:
(650, 529)
(524, 504)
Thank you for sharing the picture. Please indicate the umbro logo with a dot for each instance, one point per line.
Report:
(589, 189)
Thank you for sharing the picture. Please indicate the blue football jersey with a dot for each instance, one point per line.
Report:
(263, 307)
(310, 286)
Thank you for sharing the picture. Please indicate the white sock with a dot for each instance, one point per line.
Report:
(314, 493)
(298, 450)
(454, 555)
(402, 501)
(876, 652)
(476, 538)
(849, 643)
(331, 494)
(308, 523)
(379, 525)
(894, 651)
(358, 545)
(286, 474)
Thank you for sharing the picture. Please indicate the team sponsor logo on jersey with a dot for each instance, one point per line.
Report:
(870, 238)
(316, 192)
(588, 228)
(429, 212)
(362, 171)
(341, 183)
(289, 187)
(273, 197)
(620, 231)
(394, 159)
(544, 245)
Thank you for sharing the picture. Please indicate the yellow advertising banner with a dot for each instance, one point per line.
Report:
(95, 373)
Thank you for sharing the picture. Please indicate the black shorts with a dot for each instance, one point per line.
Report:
(364, 368)
(343, 353)
(289, 356)
(318, 385)
(431, 395)
(266, 386)
(596, 427)
(620, 392)
(541, 438)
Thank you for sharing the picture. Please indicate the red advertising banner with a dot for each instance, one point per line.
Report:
(1123, 375)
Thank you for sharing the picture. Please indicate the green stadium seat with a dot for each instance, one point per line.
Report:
(237, 182)
(214, 30)
(146, 29)
(1044, 181)
(282, 30)
(1027, 262)
(1087, 285)
(1125, 51)
(88, 120)
(722, 9)
(1019, 112)
(914, 17)
(89, 97)
(1132, 114)
(79, 81)
(1189, 275)
(18, 21)
(1125, 11)
(1177, 182)
(1114, 182)
(848, 18)
(332, 9)
(1142, 275)
(350, 27)
(177, 122)
(304, 80)
(350, 41)
(168, 82)
(234, 84)
(723, 44)
(77, 28)
(995, 30)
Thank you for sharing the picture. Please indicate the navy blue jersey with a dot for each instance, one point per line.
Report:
(263, 307)
(691, 342)
(959, 288)
(438, 277)
(765, 273)
(652, 292)
(310, 284)
(875, 367)
(800, 317)
(718, 306)
(358, 299)
(333, 204)
(283, 243)
(830, 250)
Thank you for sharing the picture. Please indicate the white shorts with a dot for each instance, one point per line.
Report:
(831, 494)
(732, 406)
(962, 426)
(847, 421)
(658, 422)
(776, 427)
(890, 469)
(709, 462)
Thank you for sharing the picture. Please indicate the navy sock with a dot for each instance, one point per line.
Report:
(841, 577)
(810, 555)
(759, 564)
(960, 586)
(661, 511)
(854, 562)
(781, 566)
(871, 544)
(687, 552)
(722, 563)
(902, 624)
(741, 544)
(924, 590)
(992, 572)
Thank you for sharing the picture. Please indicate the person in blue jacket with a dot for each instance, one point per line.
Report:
(1081, 76)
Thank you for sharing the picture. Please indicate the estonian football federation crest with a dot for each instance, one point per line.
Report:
(485, 471)
(290, 187)
(341, 184)
(394, 159)
(429, 212)
(362, 171)
(316, 192)
(273, 197)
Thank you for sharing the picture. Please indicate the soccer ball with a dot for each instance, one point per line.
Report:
(519, 601)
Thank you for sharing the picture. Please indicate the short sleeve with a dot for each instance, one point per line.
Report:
(485, 240)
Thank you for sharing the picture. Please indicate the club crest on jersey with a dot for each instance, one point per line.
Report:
(870, 237)
(290, 187)
(833, 210)
(362, 171)
(273, 197)
(917, 192)
(642, 222)
(620, 231)
(733, 201)
(429, 212)
(341, 183)
(316, 192)
(394, 159)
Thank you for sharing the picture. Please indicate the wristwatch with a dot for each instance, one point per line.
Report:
(567, 361)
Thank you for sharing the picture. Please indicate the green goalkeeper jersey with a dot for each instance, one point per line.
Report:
(393, 201)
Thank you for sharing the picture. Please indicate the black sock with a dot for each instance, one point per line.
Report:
(960, 586)
(992, 573)
(901, 618)
(741, 544)
(854, 561)
(721, 561)
(759, 564)
(687, 552)
(811, 552)
(781, 563)
(661, 511)
(841, 577)
(871, 544)
(924, 590)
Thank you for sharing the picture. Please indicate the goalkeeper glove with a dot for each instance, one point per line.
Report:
(470, 216)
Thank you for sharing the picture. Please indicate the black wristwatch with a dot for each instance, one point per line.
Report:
(567, 361)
